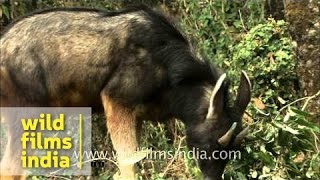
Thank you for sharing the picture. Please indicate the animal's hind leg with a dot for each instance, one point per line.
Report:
(122, 126)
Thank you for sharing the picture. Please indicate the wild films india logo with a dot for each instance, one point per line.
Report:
(50, 141)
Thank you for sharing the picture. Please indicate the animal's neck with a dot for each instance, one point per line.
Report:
(187, 103)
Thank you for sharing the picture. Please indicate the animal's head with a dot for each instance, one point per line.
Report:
(222, 128)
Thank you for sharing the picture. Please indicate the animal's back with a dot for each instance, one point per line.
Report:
(66, 57)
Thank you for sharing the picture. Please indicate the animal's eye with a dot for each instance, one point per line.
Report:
(207, 146)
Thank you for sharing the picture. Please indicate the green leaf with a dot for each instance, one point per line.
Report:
(308, 124)
(5, 11)
(286, 128)
(266, 158)
(302, 113)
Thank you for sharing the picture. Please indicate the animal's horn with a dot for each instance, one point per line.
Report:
(213, 94)
(225, 139)
(241, 136)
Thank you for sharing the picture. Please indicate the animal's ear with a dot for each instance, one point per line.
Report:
(244, 93)
(217, 98)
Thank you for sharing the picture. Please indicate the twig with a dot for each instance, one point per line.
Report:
(315, 140)
(241, 20)
(175, 156)
(308, 99)
(298, 100)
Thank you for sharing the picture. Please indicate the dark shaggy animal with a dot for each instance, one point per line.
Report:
(132, 63)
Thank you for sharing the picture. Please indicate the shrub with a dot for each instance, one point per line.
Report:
(236, 36)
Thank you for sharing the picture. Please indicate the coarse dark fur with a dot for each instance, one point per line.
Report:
(135, 60)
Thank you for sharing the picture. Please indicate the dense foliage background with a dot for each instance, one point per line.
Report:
(235, 35)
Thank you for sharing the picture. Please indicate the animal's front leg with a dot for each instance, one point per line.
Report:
(122, 126)
(10, 166)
